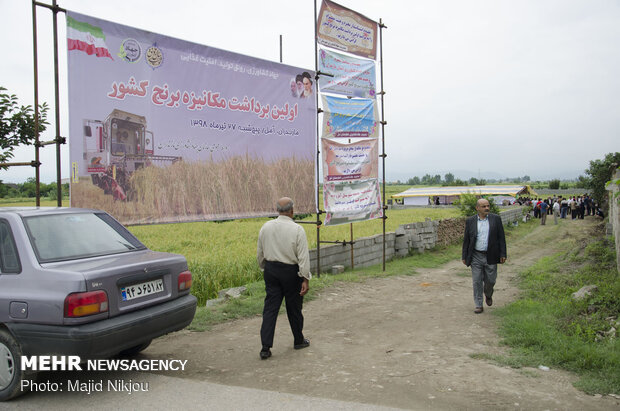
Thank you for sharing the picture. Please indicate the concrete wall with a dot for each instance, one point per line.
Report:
(614, 214)
(413, 237)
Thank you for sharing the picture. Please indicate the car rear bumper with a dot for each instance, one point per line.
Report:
(106, 338)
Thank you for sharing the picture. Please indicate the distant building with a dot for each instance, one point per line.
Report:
(449, 194)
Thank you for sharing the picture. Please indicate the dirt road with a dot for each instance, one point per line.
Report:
(399, 342)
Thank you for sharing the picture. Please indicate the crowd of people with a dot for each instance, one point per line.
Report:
(576, 207)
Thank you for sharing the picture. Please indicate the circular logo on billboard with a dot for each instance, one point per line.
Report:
(130, 50)
(154, 56)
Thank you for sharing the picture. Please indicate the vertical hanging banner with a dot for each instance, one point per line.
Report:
(351, 202)
(344, 29)
(349, 118)
(164, 130)
(346, 162)
(351, 76)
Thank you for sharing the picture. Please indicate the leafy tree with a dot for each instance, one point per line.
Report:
(17, 124)
(466, 203)
(554, 184)
(477, 182)
(29, 188)
(449, 178)
(582, 182)
(414, 181)
(526, 178)
(599, 173)
(51, 193)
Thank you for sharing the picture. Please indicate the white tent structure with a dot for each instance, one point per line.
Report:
(447, 195)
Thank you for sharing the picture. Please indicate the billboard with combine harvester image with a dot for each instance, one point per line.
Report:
(164, 130)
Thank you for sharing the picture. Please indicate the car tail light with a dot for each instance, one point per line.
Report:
(83, 304)
(185, 281)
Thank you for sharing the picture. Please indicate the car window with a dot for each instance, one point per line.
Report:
(9, 259)
(58, 237)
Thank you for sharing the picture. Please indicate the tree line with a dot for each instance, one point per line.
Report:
(28, 189)
(450, 180)
(594, 181)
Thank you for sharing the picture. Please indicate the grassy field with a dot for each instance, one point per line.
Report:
(30, 202)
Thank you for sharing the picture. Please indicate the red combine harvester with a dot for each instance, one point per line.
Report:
(117, 147)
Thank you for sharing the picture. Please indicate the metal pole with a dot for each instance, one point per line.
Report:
(57, 103)
(351, 230)
(36, 104)
(280, 48)
(318, 151)
(383, 123)
(352, 254)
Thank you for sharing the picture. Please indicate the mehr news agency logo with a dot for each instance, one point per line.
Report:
(75, 363)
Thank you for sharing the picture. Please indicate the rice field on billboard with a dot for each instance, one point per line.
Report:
(237, 187)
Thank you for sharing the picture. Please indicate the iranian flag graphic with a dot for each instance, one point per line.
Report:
(87, 38)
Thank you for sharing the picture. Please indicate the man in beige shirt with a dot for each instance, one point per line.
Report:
(282, 254)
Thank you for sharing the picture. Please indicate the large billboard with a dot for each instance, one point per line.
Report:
(165, 130)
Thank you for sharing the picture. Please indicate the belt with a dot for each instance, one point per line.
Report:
(481, 252)
(283, 265)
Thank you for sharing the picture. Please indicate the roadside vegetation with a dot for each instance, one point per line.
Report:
(546, 326)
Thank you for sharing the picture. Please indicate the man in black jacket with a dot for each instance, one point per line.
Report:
(484, 245)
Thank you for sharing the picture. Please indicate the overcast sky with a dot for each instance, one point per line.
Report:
(488, 87)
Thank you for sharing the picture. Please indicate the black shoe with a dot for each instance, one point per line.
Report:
(489, 301)
(305, 343)
(265, 353)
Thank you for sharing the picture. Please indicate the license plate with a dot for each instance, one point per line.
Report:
(143, 289)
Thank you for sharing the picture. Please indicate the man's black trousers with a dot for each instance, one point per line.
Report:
(282, 281)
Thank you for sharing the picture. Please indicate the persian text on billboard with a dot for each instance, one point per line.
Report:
(351, 202)
(344, 29)
(351, 76)
(354, 161)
